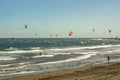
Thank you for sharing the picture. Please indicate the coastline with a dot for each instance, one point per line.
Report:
(102, 71)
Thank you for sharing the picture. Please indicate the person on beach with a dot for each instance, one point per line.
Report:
(108, 58)
(40, 53)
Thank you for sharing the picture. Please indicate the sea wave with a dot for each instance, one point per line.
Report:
(6, 58)
(80, 48)
(38, 56)
(17, 68)
(69, 60)
(20, 51)
(11, 49)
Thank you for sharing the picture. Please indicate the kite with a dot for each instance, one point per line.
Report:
(109, 31)
(93, 30)
(70, 33)
(25, 26)
(35, 34)
(51, 35)
(56, 35)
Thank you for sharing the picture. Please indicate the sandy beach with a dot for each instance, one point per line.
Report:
(105, 71)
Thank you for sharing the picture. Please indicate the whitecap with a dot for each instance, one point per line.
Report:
(6, 58)
(38, 56)
(21, 51)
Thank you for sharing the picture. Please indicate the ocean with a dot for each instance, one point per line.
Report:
(24, 56)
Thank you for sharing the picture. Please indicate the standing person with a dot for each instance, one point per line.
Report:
(40, 53)
(108, 58)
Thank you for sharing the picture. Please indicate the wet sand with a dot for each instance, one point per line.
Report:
(105, 71)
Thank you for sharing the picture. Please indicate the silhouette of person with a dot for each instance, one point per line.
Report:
(108, 58)
(40, 53)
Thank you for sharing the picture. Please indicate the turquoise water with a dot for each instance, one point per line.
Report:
(29, 56)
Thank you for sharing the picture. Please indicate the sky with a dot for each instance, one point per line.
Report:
(51, 17)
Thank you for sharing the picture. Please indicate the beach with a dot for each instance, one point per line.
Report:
(104, 71)
(49, 58)
(59, 40)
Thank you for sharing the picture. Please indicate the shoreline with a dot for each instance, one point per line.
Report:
(102, 71)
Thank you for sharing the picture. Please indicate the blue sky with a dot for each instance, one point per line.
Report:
(45, 17)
